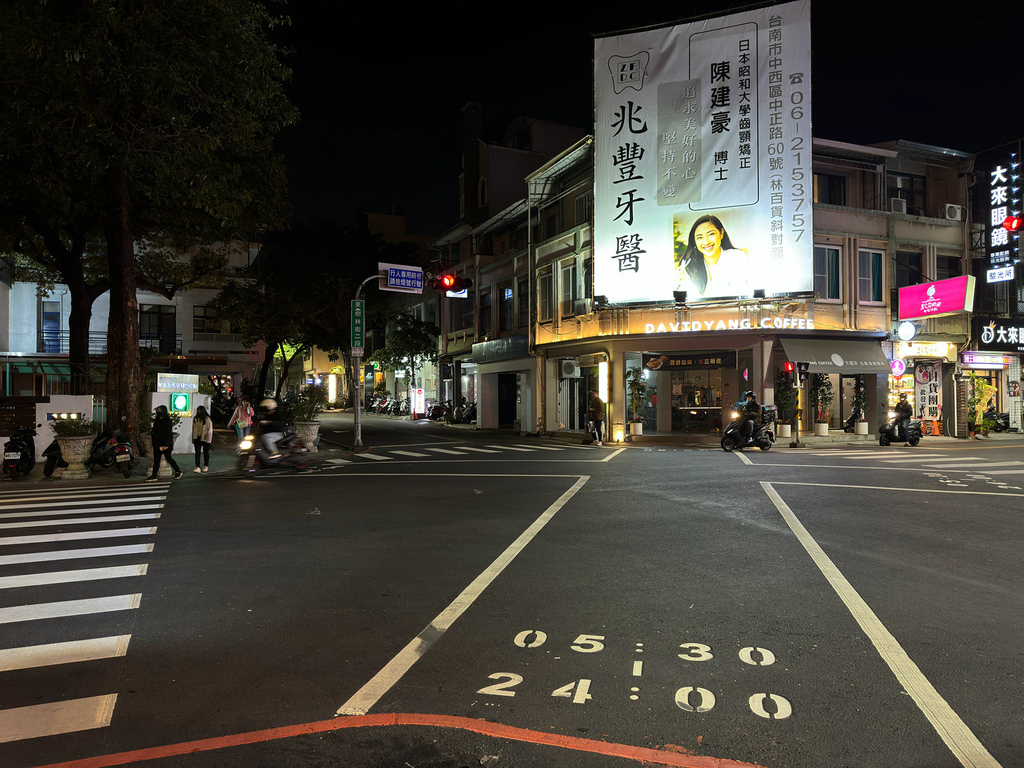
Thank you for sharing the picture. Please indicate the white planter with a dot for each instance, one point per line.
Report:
(785, 430)
(308, 431)
(75, 450)
(820, 430)
(861, 427)
(636, 428)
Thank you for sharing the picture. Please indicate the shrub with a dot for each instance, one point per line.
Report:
(312, 401)
(74, 427)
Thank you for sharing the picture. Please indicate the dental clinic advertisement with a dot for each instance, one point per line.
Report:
(702, 177)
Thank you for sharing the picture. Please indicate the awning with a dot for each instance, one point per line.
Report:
(827, 356)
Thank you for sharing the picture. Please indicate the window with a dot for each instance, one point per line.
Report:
(485, 311)
(506, 309)
(947, 267)
(524, 303)
(552, 223)
(826, 273)
(157, 327)
(465, 310)
(829, 189)
(545, 295)
(909, 188)
(909, 271)
(588, 277)
(567, 287)
(582, 209)
(50, 327)
(204, 320)
(869, 277)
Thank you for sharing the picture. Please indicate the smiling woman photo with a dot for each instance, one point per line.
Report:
(710, 263)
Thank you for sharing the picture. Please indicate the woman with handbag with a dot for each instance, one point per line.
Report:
(242, 418)
(202, 437)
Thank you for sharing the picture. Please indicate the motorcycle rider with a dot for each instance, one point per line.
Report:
(903, 413)
(750, 415)
(271, 426)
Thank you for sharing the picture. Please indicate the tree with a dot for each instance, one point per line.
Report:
(141, 124)
(409, 343)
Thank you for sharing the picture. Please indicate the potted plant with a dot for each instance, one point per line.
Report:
(785, 401)
(75, 437)
(821, 403)
(305, 414)
(637, 385)
(860, 404)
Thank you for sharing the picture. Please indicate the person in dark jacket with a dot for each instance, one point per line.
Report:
(903, 413)
(163, 442)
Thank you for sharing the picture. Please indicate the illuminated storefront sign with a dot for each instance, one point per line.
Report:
(945, 297)
(928, 390)
(1003, 202)
(177, 382)
(702, 158)
(998, 334)
(926, 349)
(976, 360)
(734, 324)
(681, 361)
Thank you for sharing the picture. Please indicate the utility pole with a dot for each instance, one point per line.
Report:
(358, 307)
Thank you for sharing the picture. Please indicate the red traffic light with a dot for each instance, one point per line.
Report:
(447, 281)
(1012, 223)
(788, 367)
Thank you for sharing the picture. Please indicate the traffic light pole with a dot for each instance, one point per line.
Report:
(796, 422)
(357, 365)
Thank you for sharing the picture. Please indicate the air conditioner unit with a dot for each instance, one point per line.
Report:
(951, 212)
(583, 306)
(897, 205)
(569, 369)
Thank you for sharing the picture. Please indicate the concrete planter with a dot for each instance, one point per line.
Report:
(308, 431)
(75, 450)
(636, 428)
(785, 430)
(861, 427)
(820, 430)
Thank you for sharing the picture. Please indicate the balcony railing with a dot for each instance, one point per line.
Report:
(59, 342)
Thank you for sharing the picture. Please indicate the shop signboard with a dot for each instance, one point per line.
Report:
(944, 297)
(703, 158)
(681, 361)
(928, 390)
(177, 382)
(999, 334)
(1003, 201)
(990, 362)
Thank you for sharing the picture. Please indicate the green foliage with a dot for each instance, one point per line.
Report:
(821, 397)
(409, 341)
(785, 395)
(637, 385)
(74, 427)
(312, 401)
(860, 396)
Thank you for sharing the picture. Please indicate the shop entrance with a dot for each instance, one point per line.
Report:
(508, 400)
(572, 403)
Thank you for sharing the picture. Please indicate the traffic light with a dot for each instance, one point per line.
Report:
(802, 371)
(451, 283)
(790, 370)
(1012, 223)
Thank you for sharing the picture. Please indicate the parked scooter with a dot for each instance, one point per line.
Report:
(20, 452)
(111, 449)
(734, 437)
(292, 454)
(850, 426)
(1001, 420)
(887, 432)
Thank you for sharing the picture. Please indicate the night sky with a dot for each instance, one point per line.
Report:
(381, 95)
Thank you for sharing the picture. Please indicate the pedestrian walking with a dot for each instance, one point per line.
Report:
(202, 437)
(242, 418)
(596, 414)
(163, 443)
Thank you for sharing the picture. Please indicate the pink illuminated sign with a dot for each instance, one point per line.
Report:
(945, 297)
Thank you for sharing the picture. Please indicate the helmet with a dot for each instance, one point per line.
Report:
(750, 394)
(903, 395)
(268, 403)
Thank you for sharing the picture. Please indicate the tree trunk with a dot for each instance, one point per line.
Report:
(286, 367)
(78, 338)
(124, 374)
(269, 350)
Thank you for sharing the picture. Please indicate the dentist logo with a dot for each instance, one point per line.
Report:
(988, 335)
(628, 71)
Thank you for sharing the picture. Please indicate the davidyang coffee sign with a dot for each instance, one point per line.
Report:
(766, 322)
(999, 334)
(944, 297)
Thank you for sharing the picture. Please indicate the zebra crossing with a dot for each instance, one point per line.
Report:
(917, 458)
(469, 451)
(56, 538)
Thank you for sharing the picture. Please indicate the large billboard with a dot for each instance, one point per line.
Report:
(702, 178)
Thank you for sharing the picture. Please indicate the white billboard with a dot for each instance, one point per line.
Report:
(702, 165)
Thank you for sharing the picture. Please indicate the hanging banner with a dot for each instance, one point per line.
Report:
(703, 158)
(928, 390)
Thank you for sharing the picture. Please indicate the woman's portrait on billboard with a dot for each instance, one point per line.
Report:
(707, 262)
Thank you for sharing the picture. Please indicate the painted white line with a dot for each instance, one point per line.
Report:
(371, 456)
(580, 447)
(964, 460)
(612, 455)
(446, 450)
(57, 510)
(740, 455)
(66, 577)
(862, 467)
(58, 717)
(892, 488)
(1005, 472)
(80, 520)
(998, 464)
(72, 652)
(81, 493)
(921, 457)
(50, 502)
(363, 699)
(477, 450)
(510, 448)
(953, 731)
(46, 538)
(539, 447)
(76, 554)
(69, 608)
(411, 453)
(338, 461)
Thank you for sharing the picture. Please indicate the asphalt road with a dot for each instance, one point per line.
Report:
(450, 598)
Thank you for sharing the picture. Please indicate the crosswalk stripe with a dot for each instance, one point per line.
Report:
(66, 577)
(58, 717)
(1003, 471)
(64, 608)
(338, 461)
(510, 448)
(374, 456)
(476, 450)
(541, 447)
(996, 464)
(80, 520)
(121, 500)
(446, 450)
(580, 447)
(81, 493)
(44, 538)
(75, 554)
(411, 453)
(52, 511)
(961, 460)
(30, 656)
(907, 459)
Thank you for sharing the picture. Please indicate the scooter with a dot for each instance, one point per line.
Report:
(887, 432)
(735, 439)
(20, 453)
(1001, 420)
(850, 426)
(253, 456)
